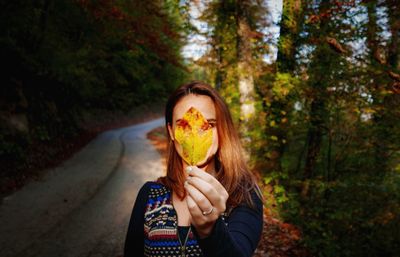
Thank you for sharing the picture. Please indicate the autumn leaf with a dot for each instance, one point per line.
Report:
(195, 135)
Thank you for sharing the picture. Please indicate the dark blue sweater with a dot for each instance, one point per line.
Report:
(239, 237)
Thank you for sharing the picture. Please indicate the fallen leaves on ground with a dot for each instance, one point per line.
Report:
(280, 239)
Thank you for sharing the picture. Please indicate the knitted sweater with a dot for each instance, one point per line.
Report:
(153, 229)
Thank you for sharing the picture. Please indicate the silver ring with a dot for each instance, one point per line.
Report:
(205, 213)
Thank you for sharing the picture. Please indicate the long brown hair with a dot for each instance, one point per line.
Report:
(231, 169)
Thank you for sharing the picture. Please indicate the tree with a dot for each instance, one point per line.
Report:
(278, 105)
(238, 46)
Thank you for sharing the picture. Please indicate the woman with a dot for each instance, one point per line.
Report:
(208, 204)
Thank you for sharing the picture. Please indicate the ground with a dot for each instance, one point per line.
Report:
(82, 207)
(44, 155)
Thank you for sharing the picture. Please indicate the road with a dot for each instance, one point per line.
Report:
(82, 208)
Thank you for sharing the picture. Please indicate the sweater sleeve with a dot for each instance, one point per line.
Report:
(240, 237)
(134, 242)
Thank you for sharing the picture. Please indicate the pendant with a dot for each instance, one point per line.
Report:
(183, 251)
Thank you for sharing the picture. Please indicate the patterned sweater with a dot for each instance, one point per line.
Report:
(153, 229)
(160, 227)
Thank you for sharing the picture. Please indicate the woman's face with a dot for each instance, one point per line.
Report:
(205, 106)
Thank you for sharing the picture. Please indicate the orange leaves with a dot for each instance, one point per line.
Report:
(195, 135)
(396, 87)
(335, 45)
(280, 239)
(336, 7)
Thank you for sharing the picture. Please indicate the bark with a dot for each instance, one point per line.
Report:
(385, 104)
(245, 72)
(314, 138)
(376, 60)
(245, 75)
(221, 58)
(290, 26)
(386, 121)
(320, 64)
(394, 26)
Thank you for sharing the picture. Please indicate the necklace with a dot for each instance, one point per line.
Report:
(183, 246)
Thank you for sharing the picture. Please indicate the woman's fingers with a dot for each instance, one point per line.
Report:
(199, 199)
(193, 171)
(206, 199)
(206, 189)
(193, 207)
(198, 218)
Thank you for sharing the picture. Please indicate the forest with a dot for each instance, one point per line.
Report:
(316, 104)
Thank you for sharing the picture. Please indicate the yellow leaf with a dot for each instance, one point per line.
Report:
(275, 138)
(369, 110)
(194, 134)
(397, 168)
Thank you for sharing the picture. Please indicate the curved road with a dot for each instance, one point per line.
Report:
(82, 208)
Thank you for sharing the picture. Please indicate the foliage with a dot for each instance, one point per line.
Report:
(62, 59)
(234, 62)
(194, 133)
(327, 139)
(336, 174)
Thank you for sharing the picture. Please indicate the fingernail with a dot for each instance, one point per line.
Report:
(189, 169)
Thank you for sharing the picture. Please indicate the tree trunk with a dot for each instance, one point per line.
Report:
(385, 104)
(314, 137)
(290, 25)
(245, 72)
(320, 64)
(389, 115)
(394, 26)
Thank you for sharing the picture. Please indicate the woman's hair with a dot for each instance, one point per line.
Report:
(231, 169)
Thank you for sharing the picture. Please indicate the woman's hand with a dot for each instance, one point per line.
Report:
(206, 199)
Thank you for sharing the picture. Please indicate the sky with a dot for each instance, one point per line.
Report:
(197, 45)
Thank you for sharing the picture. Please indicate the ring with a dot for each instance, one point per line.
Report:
(205, 213)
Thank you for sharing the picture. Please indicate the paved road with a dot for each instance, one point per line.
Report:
(82, 208)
